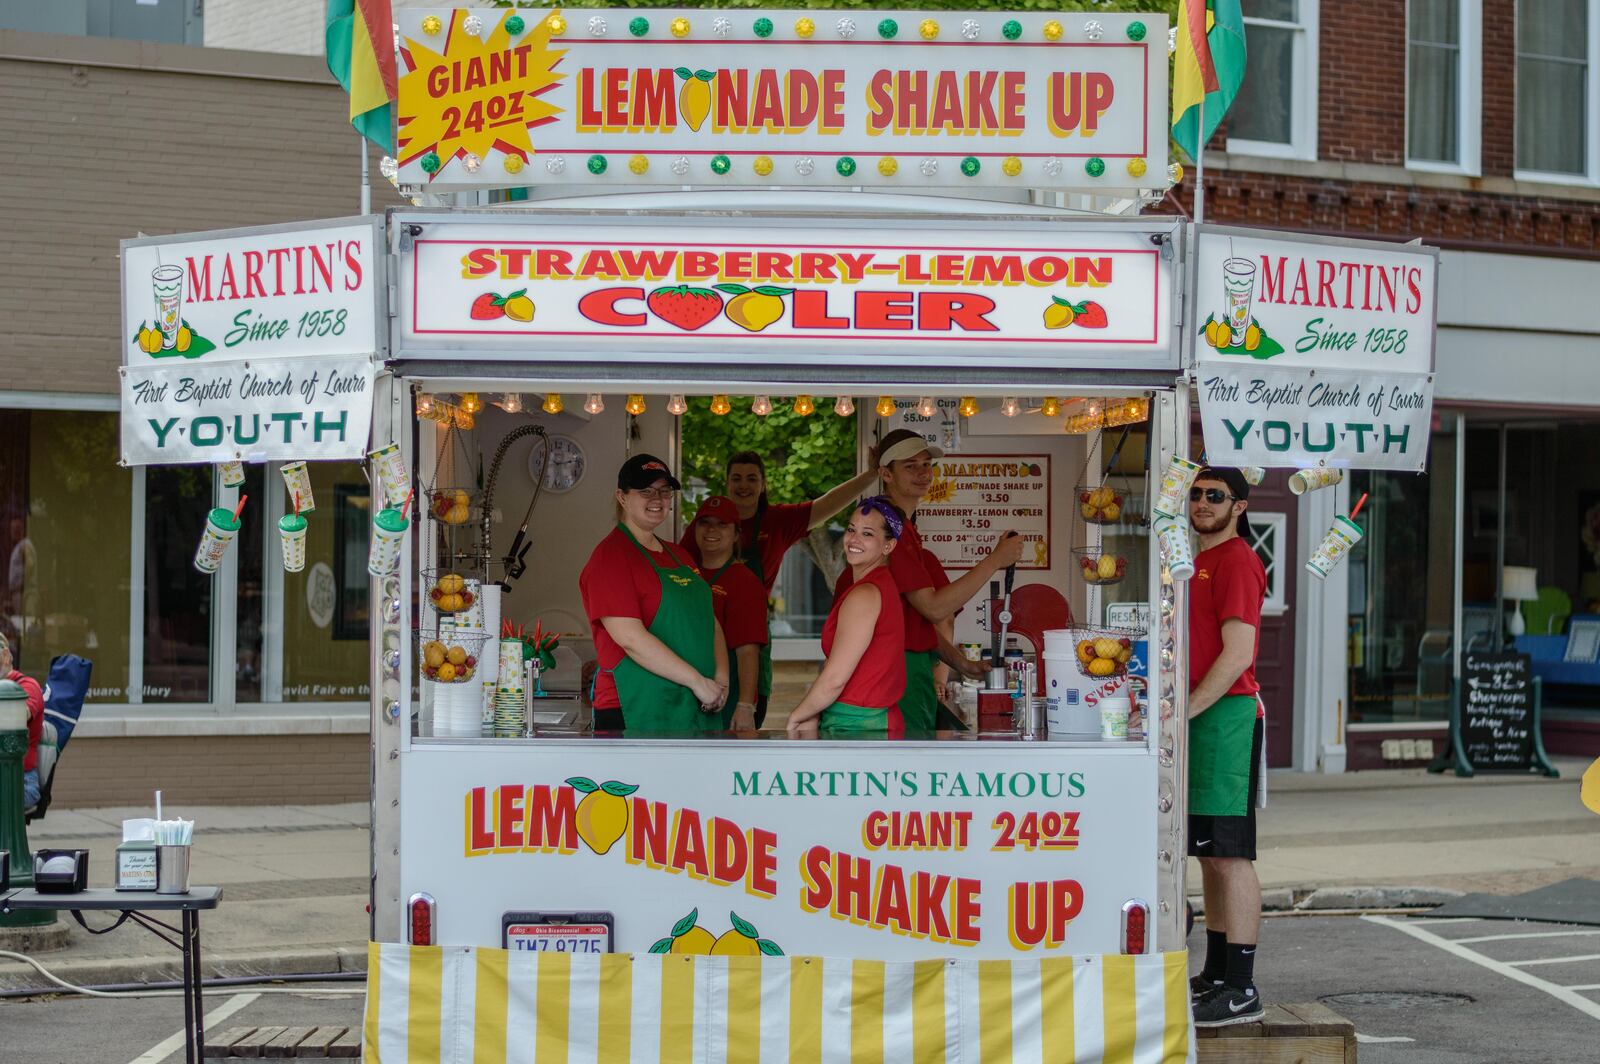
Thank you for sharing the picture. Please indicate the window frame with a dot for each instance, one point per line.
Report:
(1469, 80)
(1591, 174)
(1305, 90)
(1275, 523)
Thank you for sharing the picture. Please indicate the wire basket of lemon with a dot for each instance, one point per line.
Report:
(1105, 651)
(1100, 567)
(452, 506)
(449, 657)
(1108, 505)
(449, 592)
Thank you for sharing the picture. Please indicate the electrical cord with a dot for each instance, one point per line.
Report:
(173, 989)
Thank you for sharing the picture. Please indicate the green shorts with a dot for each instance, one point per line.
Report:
(1220, 757)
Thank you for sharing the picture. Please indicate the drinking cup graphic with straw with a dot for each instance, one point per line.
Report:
(222, 525)
(1340, 540)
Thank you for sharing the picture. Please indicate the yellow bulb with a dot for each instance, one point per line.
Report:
(1012, 166)
(720, 405)
(680, 27)
(886, 406)
(431, 25)
(929, 29)
(804, 405)
(638, 164)
(1136, 167)
(763, 165)
(1175, 171)
(556, 24)
(471, 403)
(969, 406)
(424, 405)
(1051, 407)
(465, 420)
(1052, 30)
(513, 164)
(887, 166)
(634, 405)
(804, 27)
(553, 403)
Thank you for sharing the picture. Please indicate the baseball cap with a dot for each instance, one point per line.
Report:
(643, 470)
(1238, 487)
(904, 443)
(720, 508)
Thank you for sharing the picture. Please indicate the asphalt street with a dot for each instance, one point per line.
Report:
(1450, 996)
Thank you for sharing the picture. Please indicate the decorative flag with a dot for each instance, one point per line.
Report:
(360, 47)
(1210, 64)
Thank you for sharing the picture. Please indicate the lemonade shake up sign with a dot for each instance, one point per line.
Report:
(496, 97)
(1313, 352)
(250, 344)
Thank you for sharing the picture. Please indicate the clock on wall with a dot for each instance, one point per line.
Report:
(567, 463)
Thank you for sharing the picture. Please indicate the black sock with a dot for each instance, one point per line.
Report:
(1241, 968)
(1216, 956)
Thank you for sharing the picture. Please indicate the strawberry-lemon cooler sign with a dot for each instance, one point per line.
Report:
(1047, 295)
(502, 96)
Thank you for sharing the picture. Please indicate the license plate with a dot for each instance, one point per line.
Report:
(558, 938)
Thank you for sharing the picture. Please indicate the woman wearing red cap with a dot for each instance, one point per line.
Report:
(663, 662)
(864, 637)
(740, 603)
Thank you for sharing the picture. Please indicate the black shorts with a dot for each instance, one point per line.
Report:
(1231, 836)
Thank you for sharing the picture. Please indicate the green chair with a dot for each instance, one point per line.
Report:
(1547, 614)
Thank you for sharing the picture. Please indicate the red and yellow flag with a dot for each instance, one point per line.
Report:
(360, 48)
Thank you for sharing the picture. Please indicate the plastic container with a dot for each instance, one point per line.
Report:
(1114, 713)
(292, 539)
(221, 527)
(388, 534)
(1340, 540)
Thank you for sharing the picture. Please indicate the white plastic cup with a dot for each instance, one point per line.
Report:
(221, 528)
(1311, 479)
(1176, 549)
(1253, 474)
(292, 537)
(390, 465)
(1175, 480)
(231, 473)
(298, 481)
(388, 533)
(1114, 713)
(1340, 540)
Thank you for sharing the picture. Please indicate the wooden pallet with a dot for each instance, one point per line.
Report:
(1309, 1033)
(316, 1043)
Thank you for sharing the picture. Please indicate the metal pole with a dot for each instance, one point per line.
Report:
(366, 185)
(1200, 165)
(1500, 551)
(1460, 544)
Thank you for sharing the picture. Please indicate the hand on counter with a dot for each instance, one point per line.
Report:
(804, 729)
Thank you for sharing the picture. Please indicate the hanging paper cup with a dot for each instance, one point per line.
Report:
(1176, 550)
(388, 533)
(1312, 479)
(292, 538)
(230, 473)
(221, 527)
(1175, 480)
(390, 466)
(1253, 474)
(1339, 541)
(298, 481)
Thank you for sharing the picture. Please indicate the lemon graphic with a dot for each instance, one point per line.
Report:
(753, 309)
(735, 944)
(694, 99)
(519, 307)
(1590, 791)
(695, 940)
(1059, 314)
(602, 816)
(742, 941)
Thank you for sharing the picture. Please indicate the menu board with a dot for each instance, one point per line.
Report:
(976, 497)
(1497, 711)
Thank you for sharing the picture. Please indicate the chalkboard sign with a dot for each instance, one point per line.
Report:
(1497, 718)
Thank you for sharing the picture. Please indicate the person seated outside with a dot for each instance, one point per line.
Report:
(30, 763)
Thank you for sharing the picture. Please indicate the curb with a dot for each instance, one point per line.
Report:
(1314, 899)
(168, 967)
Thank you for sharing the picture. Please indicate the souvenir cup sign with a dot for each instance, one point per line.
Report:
(496, 97)
(251, 343)
(1314, 352)
(565, 288)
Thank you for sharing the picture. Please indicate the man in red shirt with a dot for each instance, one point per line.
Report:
(30, 761)
(739, 602)
(1225, 731)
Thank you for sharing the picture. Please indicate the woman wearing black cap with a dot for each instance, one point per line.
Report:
(663, 661)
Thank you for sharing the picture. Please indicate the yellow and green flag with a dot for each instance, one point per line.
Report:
(360, 46)
(1209, 65)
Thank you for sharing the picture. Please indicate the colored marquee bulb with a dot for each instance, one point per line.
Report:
(1011, 30)
(471, 403)
(638, 164)
(887, 166)
(804, 405)
(1052, 30)
(720, 405)
(431, 163)
(513, 164)
(845, 406)
(680, 27)
(595, 404)
(761, 406)
(1051, 407)
(1137, 167)
(762, 27)
(597, 164)
(553, 403)
(763, 165)
(638, 25)
(887, 29)
(432, 25)
(721, 164)
(1012, 166)
(970, 166)
(804, 27)
(969, 406)
(929, 29)
(927, 407)
(885, 406)
(1010, 407)
(677, 405)
(1136, 31)
(634, 405)
(1095, 166)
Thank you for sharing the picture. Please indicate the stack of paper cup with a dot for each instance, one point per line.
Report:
(1311, 479)
(1339, 541)
(1175, 480)
(511, 665)
(510, 712)
(1176, 549)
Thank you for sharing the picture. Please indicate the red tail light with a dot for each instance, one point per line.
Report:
(1135, 927)
(419, 919)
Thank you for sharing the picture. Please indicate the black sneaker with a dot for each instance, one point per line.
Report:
(1228, 1005)
(1200, 986)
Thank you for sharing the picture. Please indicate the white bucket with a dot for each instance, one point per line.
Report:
(1067, 714)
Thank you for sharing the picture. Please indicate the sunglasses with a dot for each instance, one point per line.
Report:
(1211, 495)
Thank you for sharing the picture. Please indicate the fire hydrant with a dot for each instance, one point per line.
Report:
(13, 828)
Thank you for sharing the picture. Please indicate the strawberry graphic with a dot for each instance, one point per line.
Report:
(1089, 315)
(687, 308)
(488, 307)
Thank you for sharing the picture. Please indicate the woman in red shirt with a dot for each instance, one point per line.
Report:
(663, 662)
(740, 603)
(864, 675)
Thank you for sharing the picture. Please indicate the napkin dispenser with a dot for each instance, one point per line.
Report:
(60, 871)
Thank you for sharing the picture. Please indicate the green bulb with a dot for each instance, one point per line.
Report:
(1136, 31)
(431, 163)
(597, 164)
(721, 164)
(762, 27)
(639, 26)
(1012, 29)
(515, 25)
(846, 166)
(888, 28)
(970, 166)
(1095, 166)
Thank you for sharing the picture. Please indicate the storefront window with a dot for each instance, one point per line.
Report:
(177, 597)
(64, 545)
(1402, 592)
(324, 607)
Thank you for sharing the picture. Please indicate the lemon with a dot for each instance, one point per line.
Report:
(519, 308)
(447, 672)
(1104, 647)
(696, 939)
(1111, 512)
(1252, 338)
(1086, 651)
(602, 816)
(1102, 667)
(1590, 791)
(433, 654)
(456, 656)
(185, 338)
(1107, 567)
(1058, 315)
(754, 311)
(1089, 510)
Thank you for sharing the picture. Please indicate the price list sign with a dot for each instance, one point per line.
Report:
(976, 497)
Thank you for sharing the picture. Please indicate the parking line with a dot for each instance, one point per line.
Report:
(1555, 990)
(1555, 960)
(1586, 986)
(1455, 920)
(1528, 934)
(168, 1046)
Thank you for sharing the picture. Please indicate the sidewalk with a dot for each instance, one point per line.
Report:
(296, 888)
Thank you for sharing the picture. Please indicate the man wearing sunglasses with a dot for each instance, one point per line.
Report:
(1225, 733)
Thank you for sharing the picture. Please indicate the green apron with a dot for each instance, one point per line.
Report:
(685, 623)
(844, 721)
(732, 704)
(764, 669)
(920, 703)
(1220, 740)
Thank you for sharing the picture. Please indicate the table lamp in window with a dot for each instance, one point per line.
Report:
(1519, 584)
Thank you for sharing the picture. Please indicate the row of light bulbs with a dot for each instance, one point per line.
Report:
(1121, 412)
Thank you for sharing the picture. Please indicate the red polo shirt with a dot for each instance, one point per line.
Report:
(618, 581)
(1229, 583)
